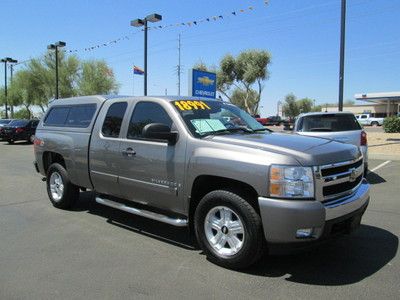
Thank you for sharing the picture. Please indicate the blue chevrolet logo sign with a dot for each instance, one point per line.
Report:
(203, 84)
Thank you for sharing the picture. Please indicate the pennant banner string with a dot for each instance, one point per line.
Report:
(187, 24)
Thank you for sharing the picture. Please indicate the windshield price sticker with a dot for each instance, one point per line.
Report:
(191, 105)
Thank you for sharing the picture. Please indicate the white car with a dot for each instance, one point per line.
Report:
(366, 119)
(338, 126)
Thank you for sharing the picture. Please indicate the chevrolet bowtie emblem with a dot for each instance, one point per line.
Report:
(353, 175)
(205, 80)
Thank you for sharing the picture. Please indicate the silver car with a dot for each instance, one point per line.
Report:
(339, 126)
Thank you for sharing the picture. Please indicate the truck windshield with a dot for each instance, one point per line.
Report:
(329, 122)
(204, 118)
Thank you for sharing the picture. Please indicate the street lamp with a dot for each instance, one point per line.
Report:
(143, 22)
(341, 59)
(55, 47)
(5, 61)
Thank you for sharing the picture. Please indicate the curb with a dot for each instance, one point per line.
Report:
(383, 156)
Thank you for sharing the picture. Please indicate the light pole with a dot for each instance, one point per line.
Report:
(55, 47)
(14, 62)
(143, 22)
(5, 61)
(341, 64)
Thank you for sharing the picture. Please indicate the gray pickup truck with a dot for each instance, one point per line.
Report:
(205, 164)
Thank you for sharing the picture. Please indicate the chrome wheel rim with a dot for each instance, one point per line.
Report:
(224, 231)
(56, 186)
(32, 138)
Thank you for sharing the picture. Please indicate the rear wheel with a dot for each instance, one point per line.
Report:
(10, 142)
(61, 191)
(229, 230)
(374, 124)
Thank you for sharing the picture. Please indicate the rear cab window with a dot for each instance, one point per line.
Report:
(113, 120)
(70, 116)
(328, 122)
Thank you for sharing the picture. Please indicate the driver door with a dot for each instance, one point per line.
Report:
(151, 172)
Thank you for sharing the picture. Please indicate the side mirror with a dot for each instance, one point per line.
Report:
(159, 131)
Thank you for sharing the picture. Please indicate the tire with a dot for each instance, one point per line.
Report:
(61, 191)
(10, 142)
(249, 244)
(374, 124)
(31, 139)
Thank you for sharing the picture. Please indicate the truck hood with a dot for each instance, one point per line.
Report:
(308, 151)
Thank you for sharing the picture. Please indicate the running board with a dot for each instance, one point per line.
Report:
(143, 213)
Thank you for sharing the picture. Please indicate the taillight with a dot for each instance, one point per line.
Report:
(38, 142)
(363, 141)
(19, 130)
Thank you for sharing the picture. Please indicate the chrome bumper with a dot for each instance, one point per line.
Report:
(282, 218)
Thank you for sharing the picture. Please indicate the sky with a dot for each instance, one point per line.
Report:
(301, 35)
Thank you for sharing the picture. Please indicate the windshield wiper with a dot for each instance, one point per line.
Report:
(229, 130)
(262, 129)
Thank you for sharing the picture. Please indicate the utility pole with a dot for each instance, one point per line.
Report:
(5, 61)
(342, 44)
(179, 65)
(11, 79)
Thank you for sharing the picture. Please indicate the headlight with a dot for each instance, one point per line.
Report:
(291, 182)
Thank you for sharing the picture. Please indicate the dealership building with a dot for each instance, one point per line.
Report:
(379, 105)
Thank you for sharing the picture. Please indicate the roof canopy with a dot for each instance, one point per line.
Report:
(393, 97)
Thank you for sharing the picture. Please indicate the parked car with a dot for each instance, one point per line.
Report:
(3, 122)
(366, 119)
(19, 130)
(276, 121)
(338, 126)
(262, 121)
(176, 160)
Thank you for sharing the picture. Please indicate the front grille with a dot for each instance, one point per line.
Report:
(345, 186)
(340, 179)
(340, 169)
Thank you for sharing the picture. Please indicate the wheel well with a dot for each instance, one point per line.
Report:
(207, 183)
(51, 158)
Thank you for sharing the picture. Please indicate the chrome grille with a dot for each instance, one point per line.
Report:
(338, 180)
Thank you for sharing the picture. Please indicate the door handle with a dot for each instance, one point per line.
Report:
(128, 152)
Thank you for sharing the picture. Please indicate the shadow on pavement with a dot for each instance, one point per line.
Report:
(374, 178)
(341, 261)
(164, 232)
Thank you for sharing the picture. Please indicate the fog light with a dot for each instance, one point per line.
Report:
(304, 233)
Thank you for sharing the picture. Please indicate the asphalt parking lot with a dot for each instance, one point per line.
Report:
(97, 252)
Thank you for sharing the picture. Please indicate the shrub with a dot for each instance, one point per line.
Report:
(391, 124)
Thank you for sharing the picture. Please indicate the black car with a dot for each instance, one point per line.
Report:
(19, 130)
(3, 122)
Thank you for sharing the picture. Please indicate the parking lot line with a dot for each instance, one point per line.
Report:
(381, 165)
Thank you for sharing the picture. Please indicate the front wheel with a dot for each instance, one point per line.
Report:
(228, 230)
(61, 191)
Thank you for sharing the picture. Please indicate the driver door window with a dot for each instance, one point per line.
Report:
(146, 113)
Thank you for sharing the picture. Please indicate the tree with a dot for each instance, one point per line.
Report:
(242, 78)
(238, 98)
(290, 107)
(96, 78)
(35, 85)
(305, 105)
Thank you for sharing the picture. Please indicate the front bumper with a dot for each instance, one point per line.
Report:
(281, 219)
